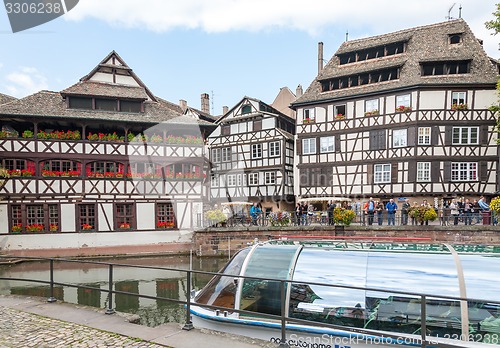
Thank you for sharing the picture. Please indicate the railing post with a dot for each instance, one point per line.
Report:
(110, 309)
(423, 324)
(189, 325)
(51, 298)
(283, 343)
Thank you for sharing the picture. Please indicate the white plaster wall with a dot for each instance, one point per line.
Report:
(4, 218)
(68, 219)
(268, 123)
(432, 99)
(126, 80)
(183, 215)
(105, 211)
(144, 212)
(485, 98)
(102, 77)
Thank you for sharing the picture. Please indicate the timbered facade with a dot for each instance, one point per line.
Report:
(401, 115)
(251, 153)
(102, 155)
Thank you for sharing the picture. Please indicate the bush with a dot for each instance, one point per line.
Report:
(342, 216)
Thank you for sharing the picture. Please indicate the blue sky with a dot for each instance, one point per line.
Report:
(227, 48)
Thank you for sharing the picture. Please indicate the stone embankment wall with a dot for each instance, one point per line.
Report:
(224, 241)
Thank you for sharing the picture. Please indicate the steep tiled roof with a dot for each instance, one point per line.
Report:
(201, 115)
(424, 44)
(4, 98)
(99, 89)
(52, 104)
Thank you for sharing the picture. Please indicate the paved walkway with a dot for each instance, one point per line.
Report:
(33, 322)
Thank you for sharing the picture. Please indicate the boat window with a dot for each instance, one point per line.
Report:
(263, 296)
(221, 290)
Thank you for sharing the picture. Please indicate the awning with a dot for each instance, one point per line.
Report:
(325, 199)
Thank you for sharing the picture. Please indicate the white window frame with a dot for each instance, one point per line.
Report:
(327, 144)
(216, 155)
(253, 179)
(464, 135)
(270, 178)
(274, 149)
(400, 138)
(424, 135)
(309, 146)
(256, 150)
(464, 171)
(309, 114)
(372, 105)
(231, 180)
(458, 98)
(403, 100)
(423, 171)
(239, 181)
(226, 154)
(382, 173)
(214, 180)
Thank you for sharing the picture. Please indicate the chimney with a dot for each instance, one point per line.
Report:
(183, 104)
(299, 91)
(205, 103)
(225, 109)
(320, 57)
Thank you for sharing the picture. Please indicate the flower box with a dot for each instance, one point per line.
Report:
(17, 228)
(460, 106)
(34, 228)
(372, 113)
(339, 117)
(403, 108)
(87, 227)
(125, 226)
(53, 227)
(165, 224)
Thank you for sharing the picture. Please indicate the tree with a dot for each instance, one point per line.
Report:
(495, 26)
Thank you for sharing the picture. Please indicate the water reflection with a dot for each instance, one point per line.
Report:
(152, 282)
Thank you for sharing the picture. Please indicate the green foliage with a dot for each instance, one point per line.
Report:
(343, 216)
(494, 24)
(215, 216)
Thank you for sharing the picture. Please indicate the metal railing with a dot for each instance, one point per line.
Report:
(283, 319)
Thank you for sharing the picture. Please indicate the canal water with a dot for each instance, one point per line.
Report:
(152, 282)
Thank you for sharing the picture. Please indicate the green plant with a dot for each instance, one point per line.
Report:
(422, 213)
(28, 134)
(215, 216)
(342, 216)
(495, 204)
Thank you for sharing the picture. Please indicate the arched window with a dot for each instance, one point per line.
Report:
(455, 39)
(104, 169)
(58, 167)
(246, 109)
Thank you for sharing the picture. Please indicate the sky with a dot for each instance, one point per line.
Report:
(226, 48)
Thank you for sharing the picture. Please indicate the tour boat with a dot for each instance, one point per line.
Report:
(342, 294)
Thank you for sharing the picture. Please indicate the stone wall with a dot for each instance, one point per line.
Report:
(224, 241)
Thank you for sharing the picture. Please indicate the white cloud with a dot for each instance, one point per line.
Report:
(311, 16)
(25, 81)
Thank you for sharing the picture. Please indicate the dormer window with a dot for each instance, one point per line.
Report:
(117, 105)
(455, 39)
(246, 109)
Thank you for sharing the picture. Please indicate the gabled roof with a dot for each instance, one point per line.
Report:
(423, 44)
(283, 100)
(234, 112)
(200, 114)
(99, 89)
(4, 98)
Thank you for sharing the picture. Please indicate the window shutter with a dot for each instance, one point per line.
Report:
(448, 134)
(394, 173)
(412, 136)
(483, 135)
(434, 135)
(381, 140)
(435, 172)
(483, 171)
(447, 172)
(299, 147)
(337, 143)
(373, 140)
(412, 171)
(369, 172)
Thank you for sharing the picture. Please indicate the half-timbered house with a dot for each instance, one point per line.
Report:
(251, 153)
(105, 154)
(401, 115)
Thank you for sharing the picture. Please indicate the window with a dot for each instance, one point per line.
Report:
(458, 98)
(226, 154)
(377, 139)
(253, 179)
(231, 180)
(214, 180)
(104, 169)
(62, 166)
(423, 171)
(327, 144)
(87, 217)
(130, 106)
(216, 155)
(274, 149)
(106, 104)
(226, 129)
(309, 146)
(256, 150)
(309, 115)
(124, 216)
(371, 105)
(18, 167)
(455, 39)
(424, 135)
(382, 173)
(246, 109)
(373, 52)
(445, 68)
(403, 100)
(464, 171)
(375, 76)
(80, 103)
(465, 135)
(399, 138)
(340, 110)
(239, 180)
(270, 178)
(165, 216)
(37, 218)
